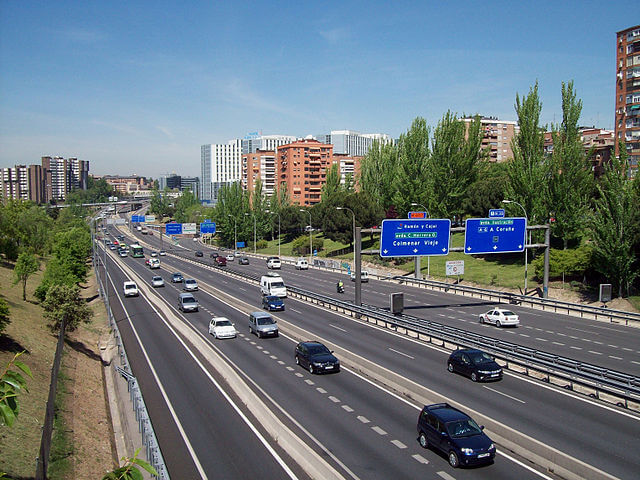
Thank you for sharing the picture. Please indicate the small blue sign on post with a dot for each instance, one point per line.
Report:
(415, 237)
(240, 245)
(496, 213)
(494, 235)
(173, 229)
(137, 218)
(208, 227)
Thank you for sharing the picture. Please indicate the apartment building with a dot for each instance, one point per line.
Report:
(126, 185)
(352, 143)
(302, 167)
(496, 137)
(598, 144)
(22, 182)
(259, 165)
(254, 142)
(220, 164)
(349, 167)
(61, 175)
(627, 126)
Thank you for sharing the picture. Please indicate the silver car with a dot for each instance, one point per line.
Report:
(190, 285)
(157, 281)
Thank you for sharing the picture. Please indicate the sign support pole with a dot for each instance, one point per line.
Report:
(358, 266)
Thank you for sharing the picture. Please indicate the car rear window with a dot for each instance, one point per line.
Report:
(188, 300)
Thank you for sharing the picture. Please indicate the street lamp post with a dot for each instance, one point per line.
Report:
(277, 213)
(310, 237)
(254, 232)
(417, 269)
(235, 233)
(354, 232)
(525, 247)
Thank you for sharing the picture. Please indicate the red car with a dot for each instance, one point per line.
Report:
(220, 261)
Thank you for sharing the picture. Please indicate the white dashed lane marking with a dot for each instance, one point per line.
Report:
(337, 328)
(321, 390)
(420, 458)
(363, 419)
(378, 430)
(334, 399)
(398, 444)
(401, 353)
(615, 358)
(595, 353)
(347, 408)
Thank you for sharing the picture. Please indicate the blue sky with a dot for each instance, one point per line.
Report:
(137, 87)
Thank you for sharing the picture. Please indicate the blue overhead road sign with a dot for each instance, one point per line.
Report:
(207, 227)
(173, 228)
(137, 218)
(414, 238)
(494, 235)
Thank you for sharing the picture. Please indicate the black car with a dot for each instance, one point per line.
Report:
(272, 302)
(476, 364)
(199, 253)
(177, 278)
(213, 254)
(244, 261)
(454, 433)
(316, 357)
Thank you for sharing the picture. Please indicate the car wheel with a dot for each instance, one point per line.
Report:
(297, 360)
(422, 439)
(474, 377)
(481, 319)
(453, 459)
(450, 367)
(498, 324)
(310, 368)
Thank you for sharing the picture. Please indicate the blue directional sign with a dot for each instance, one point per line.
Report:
(207, 227)
(173, 229)
(496, 213)
(414, 238)
(137, 218)
(494, 235)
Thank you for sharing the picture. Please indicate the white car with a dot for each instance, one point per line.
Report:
(364, 276)
(154, 254)
(130, 289)
(221, 327)
(274, 263)
(163, 253)
(157, 281)
(230, 257)
(500, 318)
(302, 264)
(190, 285)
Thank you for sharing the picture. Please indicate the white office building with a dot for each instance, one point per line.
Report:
(220, 164)
(252, 143)
(348, 142)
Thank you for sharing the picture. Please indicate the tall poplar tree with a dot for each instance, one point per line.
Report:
(377, 171)
(614, 226)
(453, 167)
(412, 175)
(570, 180)
(527, 171)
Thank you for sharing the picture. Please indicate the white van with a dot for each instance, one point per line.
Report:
(302, 264)
(272, 284)
(364, 276)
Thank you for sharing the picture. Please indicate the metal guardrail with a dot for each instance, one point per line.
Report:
(601, 381)
(513, 298)
(149, 440)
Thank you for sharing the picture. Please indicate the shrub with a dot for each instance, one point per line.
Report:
(5, 317)
(572, 262)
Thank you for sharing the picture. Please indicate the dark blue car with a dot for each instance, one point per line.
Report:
(455, 434)
(272, 302)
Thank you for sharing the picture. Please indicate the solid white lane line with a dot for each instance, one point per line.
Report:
(504, 394)
(401, 353)
(514, 460)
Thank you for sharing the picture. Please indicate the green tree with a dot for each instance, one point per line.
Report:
(487, 191)
(64, 302)
(377, 173)
(412, 175)
(5, 315)
(614, 225)
(185, 202)
(570, 181)
(26, 265)
(11, 384)
(453, 165)
(229, 211)
(527, 170)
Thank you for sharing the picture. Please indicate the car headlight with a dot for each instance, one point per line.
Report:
(467, 451)
(492, 447)
(484, 372)
(317, 364)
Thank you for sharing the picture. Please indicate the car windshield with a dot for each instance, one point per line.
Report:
(188, 300)
(265, 321)
(507, 313)
(277, 284)
(223, 323)
(463, 428)
(273, 299)
(318, 350)
(479, 358)
(157, 279)
(190, 282)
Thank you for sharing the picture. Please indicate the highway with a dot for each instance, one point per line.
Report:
(573, 425)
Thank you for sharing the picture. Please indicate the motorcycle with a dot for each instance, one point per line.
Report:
(339, 288)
